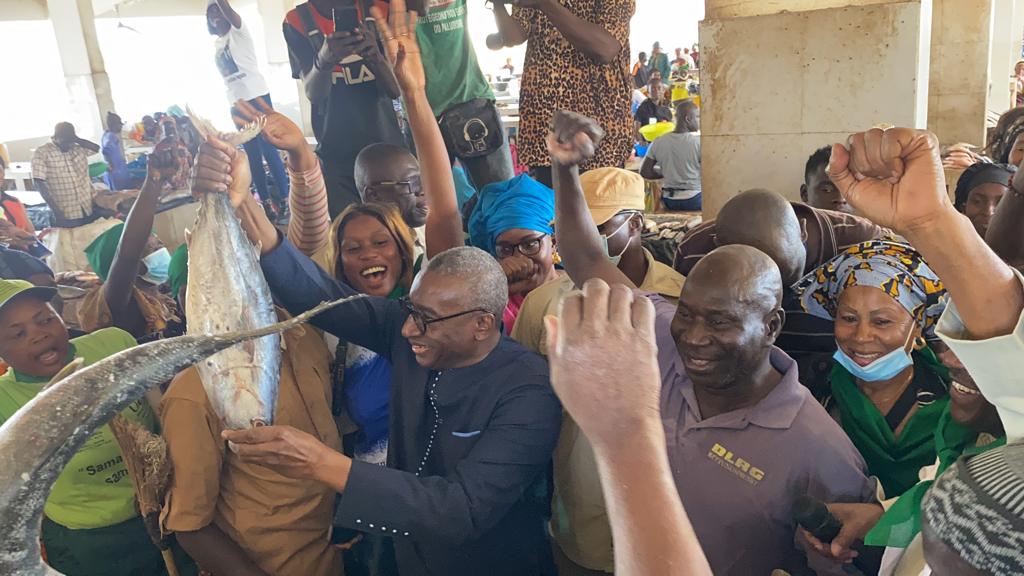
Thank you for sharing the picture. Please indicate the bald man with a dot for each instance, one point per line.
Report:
(744, 437)
(390, 174)
(798, 238)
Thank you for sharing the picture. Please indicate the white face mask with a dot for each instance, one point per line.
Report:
(604, 241)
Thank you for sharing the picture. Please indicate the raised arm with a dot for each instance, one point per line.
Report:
(597, 329)
(230, 13)
(590, 38)
(117, 290)
(895, 178)
(309, 227)
(89, 145)
(511, 31)
(295, 280)
(574, 139)
(444, 221)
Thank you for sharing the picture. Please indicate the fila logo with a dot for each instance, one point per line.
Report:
(738, 466)
(352, 70)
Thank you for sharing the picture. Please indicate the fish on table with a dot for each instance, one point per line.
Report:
(39, 440)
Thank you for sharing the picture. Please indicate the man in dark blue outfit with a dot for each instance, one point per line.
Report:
(474, 420)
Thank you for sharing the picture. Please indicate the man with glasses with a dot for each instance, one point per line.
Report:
(390, 174)
(473, 417)
(579, 519)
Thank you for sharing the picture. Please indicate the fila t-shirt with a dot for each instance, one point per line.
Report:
(357, 111)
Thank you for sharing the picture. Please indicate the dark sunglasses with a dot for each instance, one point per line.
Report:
(411, 187)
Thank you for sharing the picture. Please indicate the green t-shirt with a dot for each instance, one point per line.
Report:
(449, 61)
(94, 489)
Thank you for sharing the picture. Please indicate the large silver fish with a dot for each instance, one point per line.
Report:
(39, 440)
(227, 293)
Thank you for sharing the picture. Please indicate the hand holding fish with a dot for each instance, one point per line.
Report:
(221, 168)
(290, 452)
(398, 31)
(279, 130)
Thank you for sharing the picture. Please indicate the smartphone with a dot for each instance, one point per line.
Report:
(345, 18)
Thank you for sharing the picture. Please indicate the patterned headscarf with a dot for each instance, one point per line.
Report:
(976, 509)
(521, 202)
(895, 268)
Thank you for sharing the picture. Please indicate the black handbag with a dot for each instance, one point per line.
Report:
(472, 128)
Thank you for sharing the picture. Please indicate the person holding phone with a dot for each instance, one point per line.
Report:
(235, 56)
(334, 50)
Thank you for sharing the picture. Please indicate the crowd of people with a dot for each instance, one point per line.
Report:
(823, 386)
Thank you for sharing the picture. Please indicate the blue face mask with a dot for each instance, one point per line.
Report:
(884, 368)
(156, 266)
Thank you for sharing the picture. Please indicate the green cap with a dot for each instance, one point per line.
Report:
(10, 289)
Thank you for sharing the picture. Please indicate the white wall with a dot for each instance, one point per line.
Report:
(769, 99)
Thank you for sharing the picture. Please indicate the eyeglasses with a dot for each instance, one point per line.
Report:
(422, 321)
(411, 187)
(527, 247)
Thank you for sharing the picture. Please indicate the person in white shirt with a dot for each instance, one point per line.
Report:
(235, 56)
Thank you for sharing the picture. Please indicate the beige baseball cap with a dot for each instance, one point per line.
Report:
(609, 191)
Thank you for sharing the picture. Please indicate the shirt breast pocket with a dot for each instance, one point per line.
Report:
(461, 441)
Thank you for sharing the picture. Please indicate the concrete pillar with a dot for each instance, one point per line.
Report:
(287, 93)
(783, 78)
(86, 78)
(1004, 53)
(958, 84)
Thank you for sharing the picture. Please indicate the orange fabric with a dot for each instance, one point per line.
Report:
(283, 524)
(15, 212)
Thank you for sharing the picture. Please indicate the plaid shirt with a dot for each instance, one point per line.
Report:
(67, 178)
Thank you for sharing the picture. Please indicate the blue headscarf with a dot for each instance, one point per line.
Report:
(521, 202)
